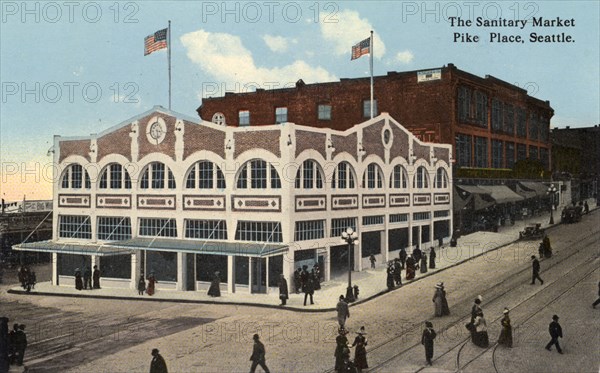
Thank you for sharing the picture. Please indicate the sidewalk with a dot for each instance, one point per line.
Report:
(371, 282)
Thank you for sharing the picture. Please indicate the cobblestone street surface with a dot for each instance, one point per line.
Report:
(77, 334)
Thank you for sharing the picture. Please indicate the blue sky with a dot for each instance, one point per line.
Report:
(77, 69)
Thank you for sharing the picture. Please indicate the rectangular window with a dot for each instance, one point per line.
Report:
(497, 154)
(422, 215)
(244, 117)
(324, 112)
(521, 152)
(463, 148)
(206, 229)
(74, 226)
(258, 174)
(533, 153)
(258, 231)
(367, 108)
(509, 119)
(398, 218)
(544, 127)
(544, 158)
(309, 230)
(510, 155)
(281, 115)
(158, 175)
(114, 228)
(76, 176)
(481, 147)
(116, 171)
(373, 220)
(340, 225)
(533, 126)
(441, 214)
(497, 115)
(481, 113)
(521, 123)
(150, 227)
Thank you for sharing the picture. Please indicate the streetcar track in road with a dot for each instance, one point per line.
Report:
(417, 326)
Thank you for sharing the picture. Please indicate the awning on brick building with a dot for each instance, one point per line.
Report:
(527, 187)
(481, 197)
(502, 193)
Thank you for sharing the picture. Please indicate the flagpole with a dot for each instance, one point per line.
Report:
(371, 66)
(169, 58)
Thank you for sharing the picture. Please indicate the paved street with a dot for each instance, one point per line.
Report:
(79, 334)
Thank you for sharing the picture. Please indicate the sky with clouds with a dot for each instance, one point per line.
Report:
(75, 68)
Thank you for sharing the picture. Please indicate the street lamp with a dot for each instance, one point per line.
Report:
(351, 238)
(551, 192)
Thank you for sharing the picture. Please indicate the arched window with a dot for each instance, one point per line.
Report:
(420, 181)
(343, 176)
(309, 176)
(257, 174)
(156, 175)
(441, 179)
(205, 175)
(75, 177)
(399, 177)
(373, 177)
(114, 176)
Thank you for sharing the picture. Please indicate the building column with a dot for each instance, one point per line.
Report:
(55, 269)
(385, 255)
(181, 271)
(327, 268)
(231, 274)
(267, 274)
(135, 269)
(431, 242)
(250, 275)
(357, 257)
(95, 261)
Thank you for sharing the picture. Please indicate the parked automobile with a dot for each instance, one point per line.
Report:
(571, 214)
(532, 231)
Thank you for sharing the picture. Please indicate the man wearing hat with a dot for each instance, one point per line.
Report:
(258, 355)
(343, 311)
(555, 332)
(427, 341)
(506, 333)
(535, 265)
(158, 364)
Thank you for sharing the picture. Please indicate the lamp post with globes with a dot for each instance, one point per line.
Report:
(350, 237)
(551, 192)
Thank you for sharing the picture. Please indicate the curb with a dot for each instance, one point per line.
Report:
(283, 308)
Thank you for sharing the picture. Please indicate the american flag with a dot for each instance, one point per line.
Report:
(364, 47)
(155, 42)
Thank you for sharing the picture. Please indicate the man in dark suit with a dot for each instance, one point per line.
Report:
(555, 332)
(535, 265)
(258, 355)
(158, 364)
(427, 341)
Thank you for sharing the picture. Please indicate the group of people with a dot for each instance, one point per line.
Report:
(545, 249)
(342, 351)
(417, 260)
(12, 344)
(27, 278)
(478, 327)
(150, 288)
(307, 282)
(85, 281)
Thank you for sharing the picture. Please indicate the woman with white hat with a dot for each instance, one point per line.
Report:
(506, 333)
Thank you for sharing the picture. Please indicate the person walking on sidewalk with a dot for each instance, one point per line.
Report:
(410, 268)
(283, 290)
(535, 266)
(215, 285)
(372, 260)
(427, 341)
(555, 331)
(360, 354)
(397, 272)
(432, 256)
(87, 278)
(309, 290)
(141, 285)
(402, 256)
(158, 364)
(96, 277)
(343, 311)
(258, 355)
(416, 254)
(423, 263)
(390, 275)
(506, 333)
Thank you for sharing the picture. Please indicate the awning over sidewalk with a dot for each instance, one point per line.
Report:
(533, 186)
(473, 189)
(482, 198)
(251, 249)
(502, 193)
(73, 248)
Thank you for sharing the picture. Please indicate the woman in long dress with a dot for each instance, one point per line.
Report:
(151, 282)
(360, 354)
(506, 333)
(438, 300)
(410, 268)
(432, 256)
(78, 280)
(215, 286)
(423, 265)
(445, 308)
(480, 337)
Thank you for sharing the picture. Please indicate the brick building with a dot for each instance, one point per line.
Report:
(490, 123)
(166, 194)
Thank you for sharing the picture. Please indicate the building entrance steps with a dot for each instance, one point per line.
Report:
(371, 282)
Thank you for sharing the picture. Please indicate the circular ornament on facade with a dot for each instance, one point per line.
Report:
(218, 118)
(156, 130)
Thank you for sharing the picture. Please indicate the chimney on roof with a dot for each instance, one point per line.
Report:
(568, 127)
(300, 83)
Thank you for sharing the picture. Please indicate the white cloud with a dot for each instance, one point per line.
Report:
(405, 57)
(346, 29)
(276, 43)
(224, 57)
